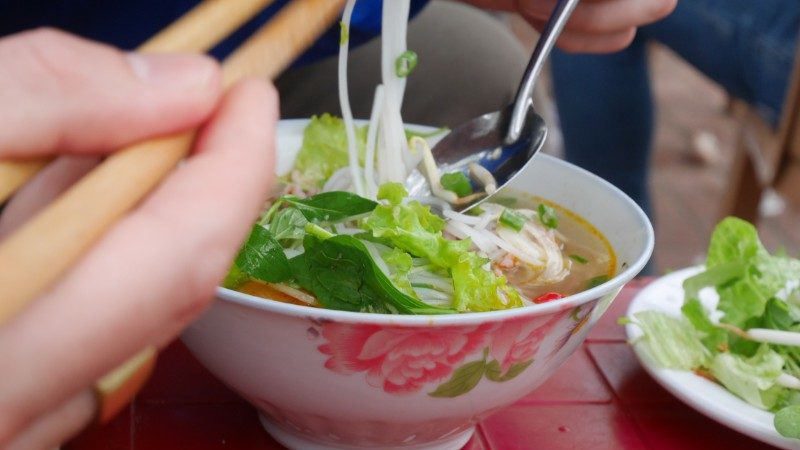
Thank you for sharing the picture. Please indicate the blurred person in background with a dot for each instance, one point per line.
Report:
(70, 96)
(605, 102)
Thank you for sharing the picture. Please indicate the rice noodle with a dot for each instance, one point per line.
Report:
(376, 256)
(344, 100)
(433, 297)
(294, 293)
(372, 134)
(478, 238)
(339, 180)
(469, 220)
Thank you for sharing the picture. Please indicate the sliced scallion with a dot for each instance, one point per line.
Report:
(405, 63)
(547, 215)
(456, 182)
(512, 219)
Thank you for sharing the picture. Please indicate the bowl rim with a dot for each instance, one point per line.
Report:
(568, 302)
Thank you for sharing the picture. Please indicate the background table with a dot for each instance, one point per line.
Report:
(600, 399)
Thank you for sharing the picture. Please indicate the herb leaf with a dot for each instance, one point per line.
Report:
(288, 224)
(341, 274)
(547, 215)
(512, 219)
(331, 206)
(457, 182)
(262, 258)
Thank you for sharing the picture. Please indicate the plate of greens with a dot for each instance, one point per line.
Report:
(725, 337)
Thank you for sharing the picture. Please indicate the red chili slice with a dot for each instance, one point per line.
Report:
(548, 297)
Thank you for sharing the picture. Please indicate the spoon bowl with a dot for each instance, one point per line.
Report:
(503, 142)
(482, 141)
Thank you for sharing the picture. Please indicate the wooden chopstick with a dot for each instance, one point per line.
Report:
(38, 253)
(198, 30)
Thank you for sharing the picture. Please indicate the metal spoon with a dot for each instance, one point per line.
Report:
(505, 141)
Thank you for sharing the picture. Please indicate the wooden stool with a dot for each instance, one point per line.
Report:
(765, 157)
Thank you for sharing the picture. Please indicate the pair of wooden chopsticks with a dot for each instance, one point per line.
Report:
(42, 250)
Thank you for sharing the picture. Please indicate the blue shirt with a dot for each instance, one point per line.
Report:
(128, 23)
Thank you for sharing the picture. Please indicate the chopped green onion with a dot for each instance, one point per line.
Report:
(344, 36)
(475, 211)
(547, 215)
(596, 281)
(578, 259)
(512, 219)
(456, 182)
(405, 63)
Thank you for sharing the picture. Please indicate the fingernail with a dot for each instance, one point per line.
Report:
(179, 72)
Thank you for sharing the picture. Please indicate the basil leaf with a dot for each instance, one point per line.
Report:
(331, 206)
(512, 219)
(289, 223)
(262, 258)
(456, 182)
(341, 274)
(547, 215)
(405, 63)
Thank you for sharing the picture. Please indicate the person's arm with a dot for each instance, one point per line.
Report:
(156, 269)
(596, 26)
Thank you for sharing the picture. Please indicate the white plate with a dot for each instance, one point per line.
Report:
(707, 397)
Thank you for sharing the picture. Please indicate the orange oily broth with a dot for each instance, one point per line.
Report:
(264, 290)
(582, 239)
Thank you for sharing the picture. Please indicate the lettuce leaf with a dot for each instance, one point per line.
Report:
(672, 342)
(413, 228)
(752, 379)
(324, 149)
(743, 272)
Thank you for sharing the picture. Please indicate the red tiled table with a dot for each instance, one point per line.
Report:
(600, 399)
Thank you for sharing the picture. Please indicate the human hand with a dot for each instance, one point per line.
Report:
(596, 26)
(156, 268)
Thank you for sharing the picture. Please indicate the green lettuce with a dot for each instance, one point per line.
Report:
(743, 272)
(413, 228)
(753, 378)
(673, 342)
(324, 149)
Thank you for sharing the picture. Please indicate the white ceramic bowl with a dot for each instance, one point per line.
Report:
(325, 379)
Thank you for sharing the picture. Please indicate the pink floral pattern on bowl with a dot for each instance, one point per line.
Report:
(403, 360)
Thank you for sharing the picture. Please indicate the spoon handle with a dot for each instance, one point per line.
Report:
(548, 38)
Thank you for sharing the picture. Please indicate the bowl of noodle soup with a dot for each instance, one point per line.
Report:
(325, 379)
(354, 317)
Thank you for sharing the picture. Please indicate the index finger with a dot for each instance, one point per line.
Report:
(62, 93)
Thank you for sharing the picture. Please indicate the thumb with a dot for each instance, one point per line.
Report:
(63, 94)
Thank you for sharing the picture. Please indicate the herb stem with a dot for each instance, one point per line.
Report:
(318, 231)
